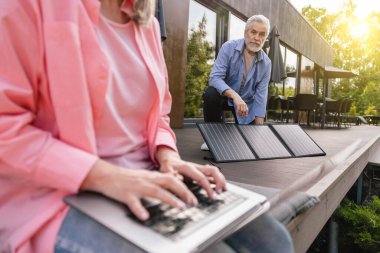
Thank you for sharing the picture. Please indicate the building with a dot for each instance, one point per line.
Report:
(305, 52)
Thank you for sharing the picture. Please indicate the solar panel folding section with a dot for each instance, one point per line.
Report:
(298, 140)
(226, 142)
(231, 142)
(264, 142)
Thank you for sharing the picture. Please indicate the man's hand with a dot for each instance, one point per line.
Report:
(259, 121)
(241, 107)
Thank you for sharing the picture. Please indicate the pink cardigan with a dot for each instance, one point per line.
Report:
(53, 79)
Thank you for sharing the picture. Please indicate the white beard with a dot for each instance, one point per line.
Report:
(253, 48)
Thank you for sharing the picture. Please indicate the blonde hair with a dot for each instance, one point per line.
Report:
(143, 11)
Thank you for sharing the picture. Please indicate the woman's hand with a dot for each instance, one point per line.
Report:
(129, 186)
(171, 163)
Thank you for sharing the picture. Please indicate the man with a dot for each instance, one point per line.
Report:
(240, 76)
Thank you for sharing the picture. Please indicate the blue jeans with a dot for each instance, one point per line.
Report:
(80, 234)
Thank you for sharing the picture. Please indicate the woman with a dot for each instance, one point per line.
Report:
(74, 78)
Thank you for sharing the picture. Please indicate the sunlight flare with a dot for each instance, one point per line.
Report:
(359, 29)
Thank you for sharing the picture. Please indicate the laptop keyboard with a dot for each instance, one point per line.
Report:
(176, 223)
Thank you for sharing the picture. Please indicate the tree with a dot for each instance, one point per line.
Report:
(351, 51)
(200, 54)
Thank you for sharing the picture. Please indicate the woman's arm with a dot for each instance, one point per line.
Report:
(32, 154)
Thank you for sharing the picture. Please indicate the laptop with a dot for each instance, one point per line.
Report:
(173, 230)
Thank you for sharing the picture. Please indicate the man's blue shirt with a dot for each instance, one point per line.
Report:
(227, 73)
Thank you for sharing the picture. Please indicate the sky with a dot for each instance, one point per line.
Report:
(363, 7)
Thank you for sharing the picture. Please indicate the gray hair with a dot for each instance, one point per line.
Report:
(259, 19)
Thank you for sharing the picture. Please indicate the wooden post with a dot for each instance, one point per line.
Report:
(323, 116)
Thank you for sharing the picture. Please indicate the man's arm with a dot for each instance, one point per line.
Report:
(220, 68)
(261, 95)
(218, 75)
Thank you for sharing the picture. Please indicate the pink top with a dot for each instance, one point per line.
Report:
(53, 82)
(120, 131)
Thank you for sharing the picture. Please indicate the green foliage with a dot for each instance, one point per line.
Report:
(273, 89)
(353, 110)
(289, 91)
(370, 110)
(200, 54)
(356, 47)
(359, 228)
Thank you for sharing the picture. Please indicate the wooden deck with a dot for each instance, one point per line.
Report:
(330, 188)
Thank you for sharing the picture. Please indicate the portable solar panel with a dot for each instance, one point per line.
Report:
(298, 141)
(231, 142)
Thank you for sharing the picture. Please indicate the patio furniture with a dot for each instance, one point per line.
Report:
(273, 106)
(346, 106)
(375, 120)
(333, 111)
(285, 105)
(372, 119)
(361, 119)
(306, 103)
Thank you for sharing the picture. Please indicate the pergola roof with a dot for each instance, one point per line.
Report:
(333, 72)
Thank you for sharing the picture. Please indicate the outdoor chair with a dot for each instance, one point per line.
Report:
(306, 103)
(333, 111)
(345, 117)
(273, 106)
(285, 106)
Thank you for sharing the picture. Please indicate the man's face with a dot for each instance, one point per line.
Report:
(255, 36)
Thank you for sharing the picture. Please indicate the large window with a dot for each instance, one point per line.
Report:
(236, 28)
(307, 76)
(197, 13)
(200, 56)
(290, 61)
